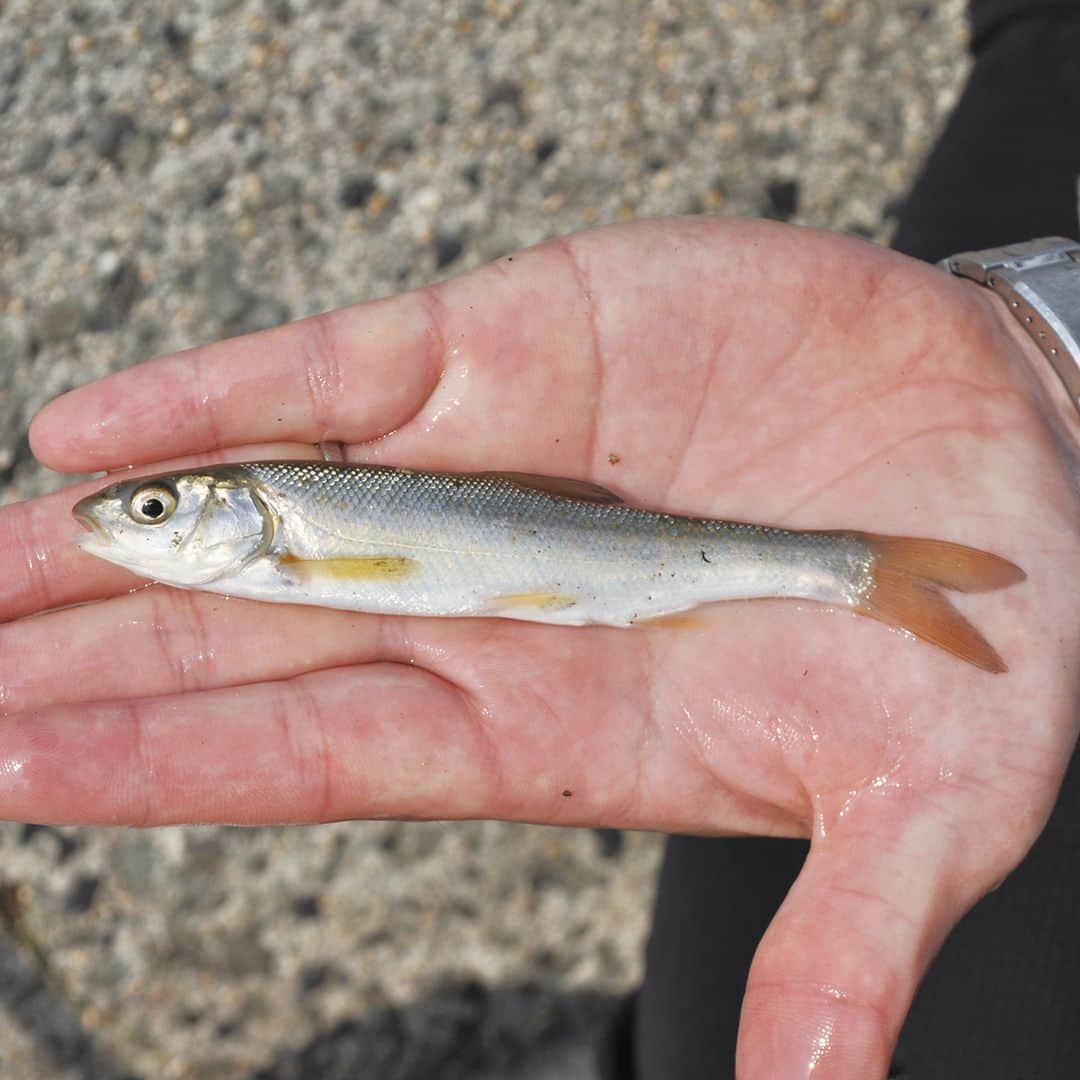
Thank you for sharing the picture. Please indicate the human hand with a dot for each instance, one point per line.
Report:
(736, 370)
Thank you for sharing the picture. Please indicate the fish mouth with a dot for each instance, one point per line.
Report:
(83, 513)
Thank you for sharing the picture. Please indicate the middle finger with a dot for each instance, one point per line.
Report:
(161, 640)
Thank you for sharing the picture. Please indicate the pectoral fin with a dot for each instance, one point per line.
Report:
(363, 568)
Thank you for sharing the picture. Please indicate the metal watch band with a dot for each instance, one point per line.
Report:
(1040, 281)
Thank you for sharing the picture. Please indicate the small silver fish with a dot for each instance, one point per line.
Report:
(514, 545)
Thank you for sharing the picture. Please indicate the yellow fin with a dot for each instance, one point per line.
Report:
(544, 600)
(556, 485)
(897, 599)
(907, 574)
(953, 566)
(678, 620)
(362, 568)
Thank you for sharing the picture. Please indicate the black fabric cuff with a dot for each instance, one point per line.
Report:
(1005, 168)
(987, 17)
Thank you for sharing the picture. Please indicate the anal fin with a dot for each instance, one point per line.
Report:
(676, 620)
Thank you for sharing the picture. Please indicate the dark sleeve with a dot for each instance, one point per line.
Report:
(989, 16)
(1005, 168)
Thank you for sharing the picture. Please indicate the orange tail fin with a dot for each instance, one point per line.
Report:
(906, 573)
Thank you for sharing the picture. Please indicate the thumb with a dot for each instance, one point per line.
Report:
(834, 976)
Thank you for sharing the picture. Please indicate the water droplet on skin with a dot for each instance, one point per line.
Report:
(452, 384)
(431, 655)
(821, 1045)
(199, 659)
(820, 829)
(692, 730)
(104, 429)
(885, 781)
(10, 770)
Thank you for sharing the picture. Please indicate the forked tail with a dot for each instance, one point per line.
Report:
(907, 577)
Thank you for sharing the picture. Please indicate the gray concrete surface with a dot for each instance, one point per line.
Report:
(170, 174)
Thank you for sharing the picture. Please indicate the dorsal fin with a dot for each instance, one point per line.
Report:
(556, 485)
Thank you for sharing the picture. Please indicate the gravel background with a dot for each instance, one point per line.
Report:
(172, 174)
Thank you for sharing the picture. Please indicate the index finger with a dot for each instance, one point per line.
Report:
(553, 359)
(350, 375)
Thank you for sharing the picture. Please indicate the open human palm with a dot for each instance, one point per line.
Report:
(735, 370)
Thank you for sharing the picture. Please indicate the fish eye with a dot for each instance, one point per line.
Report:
(152, 504)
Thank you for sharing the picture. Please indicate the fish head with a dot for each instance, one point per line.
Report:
(183, 529)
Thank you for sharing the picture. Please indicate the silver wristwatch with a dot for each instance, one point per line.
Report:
(1040, 281)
